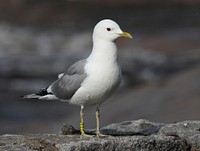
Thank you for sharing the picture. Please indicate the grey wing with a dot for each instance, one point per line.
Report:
(77, 67)
(65, 87)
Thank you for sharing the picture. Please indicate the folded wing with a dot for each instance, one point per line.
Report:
(67, 84)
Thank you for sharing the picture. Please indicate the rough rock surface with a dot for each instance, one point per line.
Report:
(188, 130)
(129, 135)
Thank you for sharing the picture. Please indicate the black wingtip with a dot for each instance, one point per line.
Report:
(22, 97)
(43, 92)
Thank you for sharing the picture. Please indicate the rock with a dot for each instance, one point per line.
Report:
(188, 130)
(53, 142)
(138, 127)
(68, 129)
(129, 135)
(126, 128)
(127, 143)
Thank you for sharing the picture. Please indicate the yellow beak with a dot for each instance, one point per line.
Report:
(125, 34)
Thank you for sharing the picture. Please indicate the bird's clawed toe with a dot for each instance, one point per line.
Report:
(86, 136)
(99, 135)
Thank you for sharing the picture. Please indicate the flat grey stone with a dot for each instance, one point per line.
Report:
(137, 127)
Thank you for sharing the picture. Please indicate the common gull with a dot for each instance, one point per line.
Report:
(92, 80)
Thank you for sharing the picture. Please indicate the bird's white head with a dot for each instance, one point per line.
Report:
(108, 30)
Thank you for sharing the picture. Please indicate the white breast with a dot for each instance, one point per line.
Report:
(102, 81)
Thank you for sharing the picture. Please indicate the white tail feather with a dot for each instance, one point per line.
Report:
(60, 75)
(31, 96)
(48, 97)
(35, 96)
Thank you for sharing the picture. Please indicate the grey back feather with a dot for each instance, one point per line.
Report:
(65, 87)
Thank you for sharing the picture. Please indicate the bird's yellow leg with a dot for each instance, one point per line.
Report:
(82, 129)
(98, 134)
(97, 119)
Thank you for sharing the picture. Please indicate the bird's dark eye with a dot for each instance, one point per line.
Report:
(108, 29)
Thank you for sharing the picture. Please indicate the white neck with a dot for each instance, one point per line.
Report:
(103, 51)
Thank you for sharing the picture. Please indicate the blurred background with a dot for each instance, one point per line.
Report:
(41, 38)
